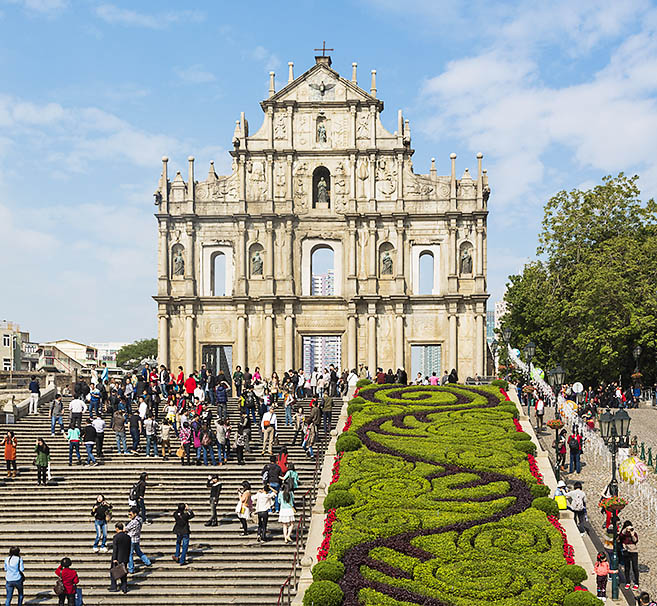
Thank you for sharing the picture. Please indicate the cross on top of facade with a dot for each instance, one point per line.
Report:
(324, 49)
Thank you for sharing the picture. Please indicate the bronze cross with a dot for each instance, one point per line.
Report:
(324, 49)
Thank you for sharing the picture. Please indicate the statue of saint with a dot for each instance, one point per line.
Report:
(178, 263)
(386, 263)
(466, 262)
(322, 191)
(256, 264)
(321, 133)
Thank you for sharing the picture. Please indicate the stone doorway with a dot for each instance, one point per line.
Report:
(321, 351)
(218, 357)
(426, 359)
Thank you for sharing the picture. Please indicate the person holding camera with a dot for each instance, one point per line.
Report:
(101, 512)
(215, 490)
(181, 529)
(628, 539)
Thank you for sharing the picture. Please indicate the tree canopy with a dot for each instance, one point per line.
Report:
(143, 348)
(592, 295)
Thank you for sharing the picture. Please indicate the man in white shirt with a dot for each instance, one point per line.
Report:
(143, 408)
(269, 428)
(99, 426)
(77, 408)
(199, 393)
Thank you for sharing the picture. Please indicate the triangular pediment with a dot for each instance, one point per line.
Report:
(321, 83)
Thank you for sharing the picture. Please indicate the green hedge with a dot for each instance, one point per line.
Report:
(347, 442)
(582, 598)
(323, 593)
(502, 383)
(362, 383)
(328, 570)
(573, 572)
(540, 490)
(338, 498)
(547, 505)
(525, 446)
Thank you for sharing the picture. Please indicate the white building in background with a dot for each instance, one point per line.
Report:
(107, 352)
(500, 311)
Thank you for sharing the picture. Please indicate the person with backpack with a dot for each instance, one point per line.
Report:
(221, 396)
(133, 528)
(327, 412)
(14, 577)
(70, 580)
(207, 444)
(271, 475)
(291, 478)
(182, 531)
(121, 544)
(57, 414)
(42, 460)
(577, 504)
(539, 408)
(150, 429)
(574, 446)
(138, 494)
(73, 437)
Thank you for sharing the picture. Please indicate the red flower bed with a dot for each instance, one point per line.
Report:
(517, 424)
(347, 425)
(322, 552)
(506, 395)
(568, 551)
(336, 468)
(533, 467)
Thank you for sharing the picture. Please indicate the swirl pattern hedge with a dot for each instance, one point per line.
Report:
(440, 505)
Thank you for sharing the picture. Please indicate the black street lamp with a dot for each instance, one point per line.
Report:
(615, 431)
(493, 349)
(530, 350)
(637, 354)
(506, 335)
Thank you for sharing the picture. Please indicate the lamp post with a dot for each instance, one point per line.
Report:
(615, 431)
(530, 350)
(636, 352)
(493, 349)
(506, 335)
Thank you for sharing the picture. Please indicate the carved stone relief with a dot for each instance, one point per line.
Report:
(256, 180)
(280, 127)
(280, 179)
(363, 126)
(386, 177)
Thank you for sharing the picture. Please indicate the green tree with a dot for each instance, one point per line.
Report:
(137, 351)
(593, 295)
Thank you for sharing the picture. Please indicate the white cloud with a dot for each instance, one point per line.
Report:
(266, 57)
(46, 7)
(121, 16)
(194, 74)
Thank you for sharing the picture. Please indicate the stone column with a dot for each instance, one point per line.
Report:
(453, 339)
(190, 264)
(289, 341)
(372, 180)
(163, 260)
(371, 339)
(352, 340)
(270, 127)
(400, 261)
(352, 138)
(290, 127)
(399, 340)
(269, 253)
(241, 341)
(372, 127)
(352, 180)
(269, 343)
(269, 171)
(480, 250)
(190, 364)
(372, 242)
(288, 178)
(240, 259)
(241, 174)
(479, 344)
(163, 340)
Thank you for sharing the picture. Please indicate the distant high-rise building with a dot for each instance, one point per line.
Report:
(500, 311)
(490, 326)
(323, 284)
(320, 352)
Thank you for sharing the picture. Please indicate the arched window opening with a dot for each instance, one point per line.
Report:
(218, 281)
(322, 272)
(321, 188)
(386, 260)
(426, 273)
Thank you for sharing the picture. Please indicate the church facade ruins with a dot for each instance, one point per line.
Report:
(404, 254)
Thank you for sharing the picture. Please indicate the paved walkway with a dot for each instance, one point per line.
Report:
(594, 477)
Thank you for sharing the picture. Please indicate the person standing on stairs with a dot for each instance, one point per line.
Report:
(118, 425)
(271, 476)
(14, 577)
(42, 460)
(269, 427)
(70, 580)
(133, 528)
(99, 426)
(76, 408)
(327, 411)
(215, 490)
(57, 414)
(182, 531)
(135, 431)
(10, 443)
(263, 500)
(35, 394)
(101, 511)
(286, 515)
(138, 491)
(120, 555)
(89, 439)
(244, 506)
(73, 437)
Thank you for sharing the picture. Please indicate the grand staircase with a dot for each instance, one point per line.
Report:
(54, 521)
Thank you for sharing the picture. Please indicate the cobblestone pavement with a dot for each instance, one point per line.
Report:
(595, 475)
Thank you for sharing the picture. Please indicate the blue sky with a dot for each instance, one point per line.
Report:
(92, 94)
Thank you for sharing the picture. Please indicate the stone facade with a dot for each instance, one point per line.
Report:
(322, 172)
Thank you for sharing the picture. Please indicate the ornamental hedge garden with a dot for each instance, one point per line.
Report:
(433, 502)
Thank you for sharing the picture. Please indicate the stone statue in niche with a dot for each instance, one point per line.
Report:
(178, 263)
(321, 132)
(386, 264)
(466, 261)
(256, 264)
(322, 191)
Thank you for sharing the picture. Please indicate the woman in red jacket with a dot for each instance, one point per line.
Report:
(70, 579)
